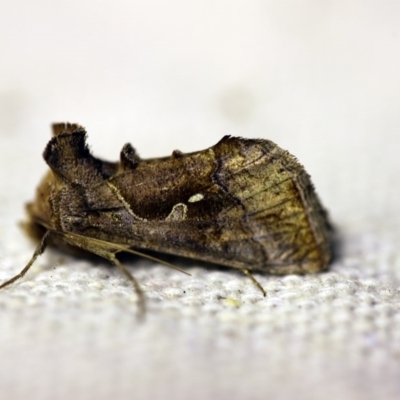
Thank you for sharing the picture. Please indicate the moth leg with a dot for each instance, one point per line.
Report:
(39, 250)
(254, 280)
(107, 251)
(141, 302)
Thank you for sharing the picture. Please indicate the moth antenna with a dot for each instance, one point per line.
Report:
(254, 280)
(39, 250)
(144, 255)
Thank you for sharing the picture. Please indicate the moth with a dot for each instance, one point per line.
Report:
(243, 203)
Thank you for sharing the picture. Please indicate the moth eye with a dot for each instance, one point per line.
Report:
(196, 197)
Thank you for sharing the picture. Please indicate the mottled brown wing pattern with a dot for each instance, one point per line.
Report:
(241, 203)
(251, 213)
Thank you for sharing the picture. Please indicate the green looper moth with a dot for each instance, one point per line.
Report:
(243, 203)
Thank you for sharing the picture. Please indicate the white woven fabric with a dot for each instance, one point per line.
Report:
(320, 80)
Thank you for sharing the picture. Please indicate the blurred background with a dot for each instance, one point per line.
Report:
(319, 78)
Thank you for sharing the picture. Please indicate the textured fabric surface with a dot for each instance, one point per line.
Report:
(321, 80)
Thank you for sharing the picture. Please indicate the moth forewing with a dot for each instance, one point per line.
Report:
(242, 203)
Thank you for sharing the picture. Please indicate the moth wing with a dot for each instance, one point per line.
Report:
(242, 203)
